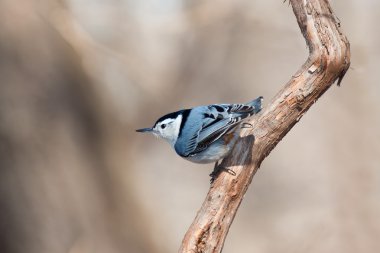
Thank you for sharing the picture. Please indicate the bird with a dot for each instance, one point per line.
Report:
(204, 134)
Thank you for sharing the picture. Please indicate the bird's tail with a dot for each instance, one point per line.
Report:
(256, 104)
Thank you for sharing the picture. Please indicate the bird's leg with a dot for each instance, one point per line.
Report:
(215, 172)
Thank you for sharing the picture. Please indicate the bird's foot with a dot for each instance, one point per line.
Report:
(217, 170)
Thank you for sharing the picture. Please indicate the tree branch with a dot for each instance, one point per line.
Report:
(328, 61)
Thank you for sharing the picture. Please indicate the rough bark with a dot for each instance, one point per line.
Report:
(328, 61)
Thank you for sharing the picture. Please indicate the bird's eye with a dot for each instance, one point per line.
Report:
(163, 126)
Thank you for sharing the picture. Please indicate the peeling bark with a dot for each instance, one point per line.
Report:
(328, 61)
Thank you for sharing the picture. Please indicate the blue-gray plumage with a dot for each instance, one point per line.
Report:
(204, 134)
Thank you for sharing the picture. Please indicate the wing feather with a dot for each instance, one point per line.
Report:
(210, 124)
(227, 117)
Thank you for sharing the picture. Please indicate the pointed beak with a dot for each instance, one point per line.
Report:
(144, 130)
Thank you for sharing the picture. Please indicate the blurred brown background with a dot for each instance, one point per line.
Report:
(78, 76)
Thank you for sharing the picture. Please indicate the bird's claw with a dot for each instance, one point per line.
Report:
(231, 172)
(247, 125)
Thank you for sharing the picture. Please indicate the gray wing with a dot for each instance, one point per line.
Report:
(211, 123)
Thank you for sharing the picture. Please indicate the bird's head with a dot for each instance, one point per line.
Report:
(167, 127)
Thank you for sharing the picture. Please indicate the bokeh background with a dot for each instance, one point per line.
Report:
(77, 77)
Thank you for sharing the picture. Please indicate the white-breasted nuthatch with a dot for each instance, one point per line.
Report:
(204, 134)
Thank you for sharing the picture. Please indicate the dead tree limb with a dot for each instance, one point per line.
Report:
(328, 61)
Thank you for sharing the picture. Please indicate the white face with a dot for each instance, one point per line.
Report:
(168, 129)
